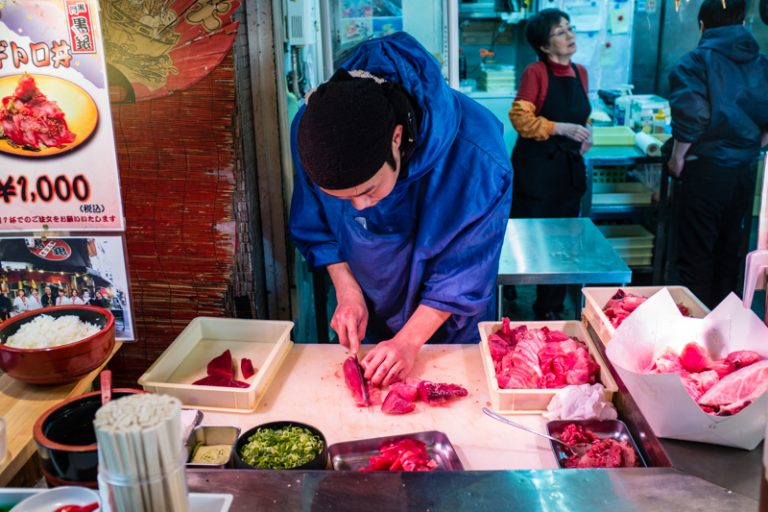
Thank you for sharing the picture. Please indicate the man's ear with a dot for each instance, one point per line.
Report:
(397, 136)
(701, 27)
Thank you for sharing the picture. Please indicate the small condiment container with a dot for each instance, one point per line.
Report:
(211, 446)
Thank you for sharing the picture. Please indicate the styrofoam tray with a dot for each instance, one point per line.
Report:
(596, 298)
(532, 401)
(265, 342)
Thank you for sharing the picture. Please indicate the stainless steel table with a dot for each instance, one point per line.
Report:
(558, 251)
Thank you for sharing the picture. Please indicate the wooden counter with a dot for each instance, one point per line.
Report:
(310, 388)
(21, 404)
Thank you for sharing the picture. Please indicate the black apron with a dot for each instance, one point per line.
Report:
(549, 176)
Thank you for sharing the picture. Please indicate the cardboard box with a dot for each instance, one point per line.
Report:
(535, 401)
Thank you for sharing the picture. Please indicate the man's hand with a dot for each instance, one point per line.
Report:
(351, 316)
(572, 131)
(675, 166)
(390, 361)
(350, 320)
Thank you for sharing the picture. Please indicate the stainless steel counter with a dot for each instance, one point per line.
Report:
(646, 490)
(559, 251)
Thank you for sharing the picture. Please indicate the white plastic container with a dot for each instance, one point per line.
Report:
(535, 401)
(596, 298)
(265, 342)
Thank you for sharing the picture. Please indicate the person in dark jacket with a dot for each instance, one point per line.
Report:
(6, 305)
(550, 114)
(719, 101)
(402, 191)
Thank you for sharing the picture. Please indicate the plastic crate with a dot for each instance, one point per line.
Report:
(264, 342)
(627, 236)
(630, 193)
(609, 174)
(535, 401)
(595, 299)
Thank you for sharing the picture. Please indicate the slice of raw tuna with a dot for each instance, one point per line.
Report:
(436, 393)
(354, 381)
(246, 368)
(734, 391)
(407, 389)
(396, 404)
(222, 365)
(694, 357)
(218, 380)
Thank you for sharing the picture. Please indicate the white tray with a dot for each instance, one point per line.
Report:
(596, 298)
(535, 401)
(265, 342)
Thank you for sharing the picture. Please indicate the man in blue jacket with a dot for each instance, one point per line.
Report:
(402, 191)
(719, 101)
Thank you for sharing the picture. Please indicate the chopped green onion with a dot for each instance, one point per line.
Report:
(281, 448)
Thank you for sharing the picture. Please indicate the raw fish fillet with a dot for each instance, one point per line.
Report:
(222, 365)
(396, 404)
(354, 381)
(437, 393)
(246, 368)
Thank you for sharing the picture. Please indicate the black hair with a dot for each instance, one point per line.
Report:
(540, 25)
(721, 13)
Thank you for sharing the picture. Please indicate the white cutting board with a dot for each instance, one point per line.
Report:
(310, 388)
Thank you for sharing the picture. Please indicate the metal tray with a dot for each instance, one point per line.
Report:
(603, 429)
(353, 455)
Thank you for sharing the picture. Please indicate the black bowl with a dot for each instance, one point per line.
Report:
(319, 462)
(66, 439)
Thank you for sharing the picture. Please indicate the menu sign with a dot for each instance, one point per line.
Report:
(58, 168)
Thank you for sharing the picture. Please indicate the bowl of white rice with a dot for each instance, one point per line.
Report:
(56, 345)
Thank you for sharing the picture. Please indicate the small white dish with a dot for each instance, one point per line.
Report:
(51, 499)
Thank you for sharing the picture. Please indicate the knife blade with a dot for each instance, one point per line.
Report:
(364, 389)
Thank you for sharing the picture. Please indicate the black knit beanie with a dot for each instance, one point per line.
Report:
(345, 135)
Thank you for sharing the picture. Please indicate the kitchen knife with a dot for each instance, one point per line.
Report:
(364, 389)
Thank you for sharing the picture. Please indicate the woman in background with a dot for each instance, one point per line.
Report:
(550, 115)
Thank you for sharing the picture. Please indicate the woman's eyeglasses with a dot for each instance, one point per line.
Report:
(562, 31)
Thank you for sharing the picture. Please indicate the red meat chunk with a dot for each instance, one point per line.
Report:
(222, 365)
(396, 404)
(405, 455)
(601, 453)
(354, 381)
(436, 393)
(246, 368)
(694, 357)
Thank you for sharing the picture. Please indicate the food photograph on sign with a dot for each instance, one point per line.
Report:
(40, 273)
(44, 115)
(58, 163)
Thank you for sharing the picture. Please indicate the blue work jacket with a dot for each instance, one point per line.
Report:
(436, 239)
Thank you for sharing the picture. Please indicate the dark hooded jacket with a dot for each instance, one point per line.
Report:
(436, 239)
(719, 97)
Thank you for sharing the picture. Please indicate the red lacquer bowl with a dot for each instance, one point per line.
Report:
(62, 364)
